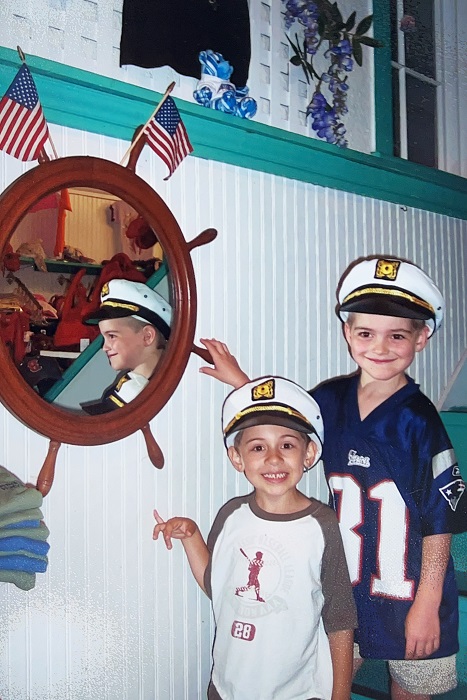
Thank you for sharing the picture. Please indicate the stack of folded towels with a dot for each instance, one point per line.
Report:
(23, 546)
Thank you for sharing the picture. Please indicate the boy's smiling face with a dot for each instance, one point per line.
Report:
(383, 346)
(272, 458)
(123, 344)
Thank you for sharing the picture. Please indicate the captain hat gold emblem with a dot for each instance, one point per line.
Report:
(387, 269)
(263, 391)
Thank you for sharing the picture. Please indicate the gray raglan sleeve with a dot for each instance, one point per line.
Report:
(339, 612)
(219, 522)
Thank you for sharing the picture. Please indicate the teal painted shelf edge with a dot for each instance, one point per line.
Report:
(91, 102)
(64, 266)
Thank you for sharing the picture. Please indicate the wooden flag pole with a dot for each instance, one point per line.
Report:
(23, 60)
(141, 132)
(53, 146)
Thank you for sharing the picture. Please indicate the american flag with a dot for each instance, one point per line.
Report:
(23, 129)
(166, 134)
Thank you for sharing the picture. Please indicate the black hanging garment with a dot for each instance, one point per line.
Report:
(173, 32)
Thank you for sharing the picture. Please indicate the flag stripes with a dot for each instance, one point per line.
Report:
(167, 136)
(23, 129)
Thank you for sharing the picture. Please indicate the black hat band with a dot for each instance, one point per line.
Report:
(268, 408)
(394, 294)
(124, 309)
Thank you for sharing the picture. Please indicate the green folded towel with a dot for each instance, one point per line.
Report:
(21, 579)
(19, 516)
(35, 533)
(15, 496)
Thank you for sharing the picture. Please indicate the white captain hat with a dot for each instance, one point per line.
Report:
(272, 401)
(121, 298)
(389, 286)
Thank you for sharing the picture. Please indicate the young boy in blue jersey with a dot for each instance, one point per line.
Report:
(287, 633)
(393, 476)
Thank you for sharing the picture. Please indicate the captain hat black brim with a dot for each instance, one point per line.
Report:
(370, 301)
(118, 308)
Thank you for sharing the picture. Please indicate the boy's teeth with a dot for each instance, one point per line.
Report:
(275, 476)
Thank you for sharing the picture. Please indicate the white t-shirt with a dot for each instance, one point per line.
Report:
(279, 584)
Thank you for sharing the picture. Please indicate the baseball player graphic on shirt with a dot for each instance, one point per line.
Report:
(254, 568)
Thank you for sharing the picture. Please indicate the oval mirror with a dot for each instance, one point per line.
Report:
(54, 417)
(68, 246)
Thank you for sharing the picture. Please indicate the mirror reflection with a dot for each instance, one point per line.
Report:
(134, 322)
(85, 273)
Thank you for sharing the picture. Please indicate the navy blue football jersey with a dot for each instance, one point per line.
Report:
(394, 480)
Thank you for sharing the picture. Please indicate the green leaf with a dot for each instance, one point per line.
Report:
(357, 51)
(308, 72)
(294, 47)
(336, 14)
(369, 41)
(324, 7)
(350, 22)
(364, 25)
(291, 42)
(299, 59)
(321, 25)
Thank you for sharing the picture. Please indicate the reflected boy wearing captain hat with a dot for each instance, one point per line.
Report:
(135, 323)
(123, 298)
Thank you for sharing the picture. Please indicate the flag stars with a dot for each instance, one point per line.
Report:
(23, 90)
(169, 119)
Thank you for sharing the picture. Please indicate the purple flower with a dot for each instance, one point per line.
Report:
(325, 114)
(306, 12)
(343, 48)
(341, 55)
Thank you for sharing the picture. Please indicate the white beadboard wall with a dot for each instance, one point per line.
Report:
(116, 616)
